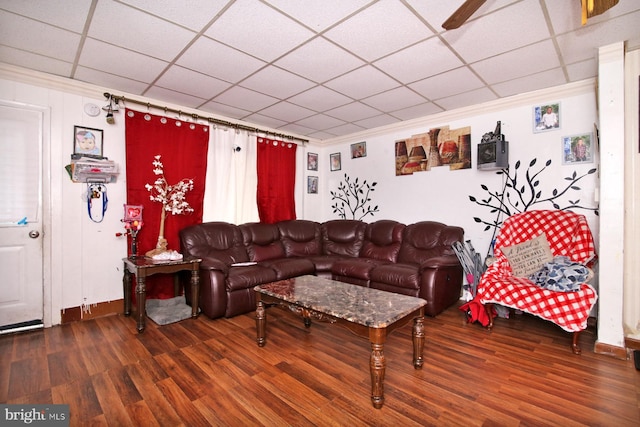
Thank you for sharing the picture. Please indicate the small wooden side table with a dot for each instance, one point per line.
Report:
(143, 267)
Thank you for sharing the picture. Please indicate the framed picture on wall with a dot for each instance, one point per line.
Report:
(358, 150)
(312, 184)
(577, 149)
(312, 161)
(546, 117)
(87, 141)
(335, 162)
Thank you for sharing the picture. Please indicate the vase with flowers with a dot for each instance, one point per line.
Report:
(173, 199)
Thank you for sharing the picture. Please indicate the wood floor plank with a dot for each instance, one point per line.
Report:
(212, 372)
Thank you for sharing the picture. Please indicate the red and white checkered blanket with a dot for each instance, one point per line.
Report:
(568, 234)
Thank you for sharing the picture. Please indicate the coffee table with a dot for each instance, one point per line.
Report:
(369, 313)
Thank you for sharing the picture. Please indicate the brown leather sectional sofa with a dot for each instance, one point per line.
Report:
(414, 259)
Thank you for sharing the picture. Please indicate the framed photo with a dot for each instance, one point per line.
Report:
(335, 162)
(87, 141)
(312, 184)
(578, 149)
(312, 161)
(359, 150)
(546, 117)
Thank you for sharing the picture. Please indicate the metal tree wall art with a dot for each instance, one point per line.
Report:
(353, 197)
(521, 193)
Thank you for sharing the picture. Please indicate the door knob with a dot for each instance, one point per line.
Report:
(34, 234)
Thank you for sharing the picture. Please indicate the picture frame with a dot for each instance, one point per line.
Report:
(335, 162)
(87, 142)
(546, 117)
(572, 151)
(312, 184)
(358, 149)
(312, 161)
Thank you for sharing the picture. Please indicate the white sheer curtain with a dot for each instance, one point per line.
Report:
(231, 181)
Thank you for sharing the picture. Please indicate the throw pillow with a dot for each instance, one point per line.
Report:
(528, 257)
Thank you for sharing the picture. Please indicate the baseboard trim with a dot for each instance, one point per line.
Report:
(92, 311)
(632, 343)
(610, 350)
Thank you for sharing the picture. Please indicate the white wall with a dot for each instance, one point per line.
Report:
(443, 195)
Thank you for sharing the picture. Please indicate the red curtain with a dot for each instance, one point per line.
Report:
(183, 150)
(276, 180)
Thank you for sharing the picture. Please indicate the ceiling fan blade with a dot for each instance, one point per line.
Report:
(463, 13)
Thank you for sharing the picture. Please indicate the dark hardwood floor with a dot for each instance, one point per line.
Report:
(211, 372)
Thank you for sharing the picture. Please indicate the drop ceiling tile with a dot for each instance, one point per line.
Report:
(345, 129)
(435, 12)
(121, 62)
(499, 32)
(198, 13)
(377, 121)
(320, 99)
(320, 136)
(384, 27)
(174, 97)
(287, 112)
(163, 41)
(217, 60)
(191, 83)
(352, 112)
(518, 63)
(276, 82)
(473, 97)
(419, 61)
(318, 15)
(245, 99)
(257, 29)
(582, 70)
(363, 82)
(261, 120)
(319, 61)
(581, 44)
(43, 39)
(224, 111)
(320, 122)
(35, 61)
(394, 99)
(101, 78)
(541, 80)
(69, 15)
(422, 110)
(447, 84)
(296, 128)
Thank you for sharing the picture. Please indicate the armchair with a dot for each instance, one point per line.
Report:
(568, 234)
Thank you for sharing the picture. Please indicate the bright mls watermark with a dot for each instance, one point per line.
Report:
(37, 415)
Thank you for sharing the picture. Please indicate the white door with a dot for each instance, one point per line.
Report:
(21, 252)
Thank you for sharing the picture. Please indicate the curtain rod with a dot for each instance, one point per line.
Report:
(212, 120)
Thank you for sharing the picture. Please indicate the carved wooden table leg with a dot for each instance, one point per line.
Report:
(126, 284)
(141, 299)
(489, 309)
(418, 341)
(195, 292)
(377, 365)
(261, 324)
(575, 346)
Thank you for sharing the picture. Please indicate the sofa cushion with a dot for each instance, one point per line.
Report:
(249, 276)
(214, 240)
(343, 237)
(359, 268)
(397, 275)
(428, 239)
(382, 240)
(300, 237)
(286, 268)
(262, 241)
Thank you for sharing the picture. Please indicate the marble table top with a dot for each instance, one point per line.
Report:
(356, 304)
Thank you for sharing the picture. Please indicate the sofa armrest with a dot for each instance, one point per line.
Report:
(440, 262)
(214, 264)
